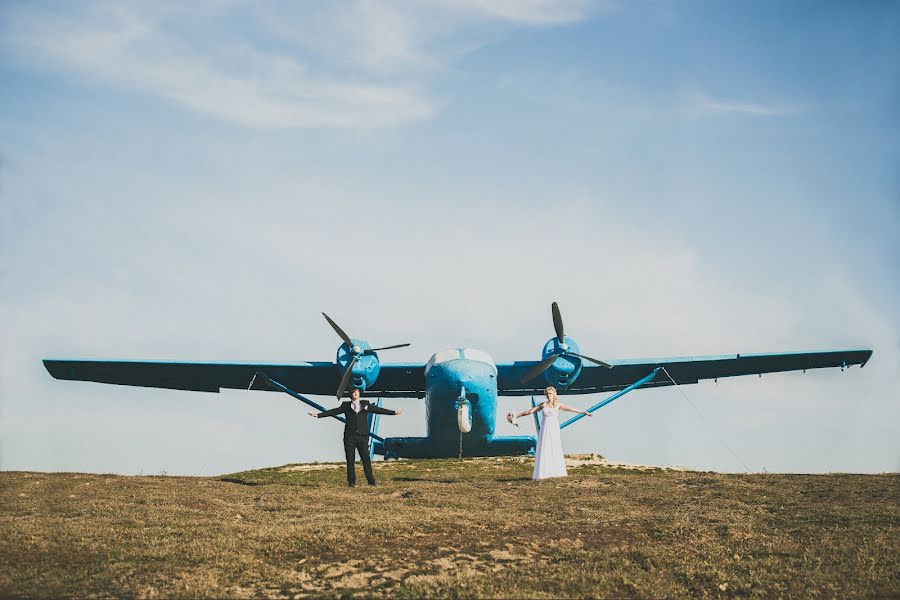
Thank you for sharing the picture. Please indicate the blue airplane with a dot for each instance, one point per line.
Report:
(460, 386)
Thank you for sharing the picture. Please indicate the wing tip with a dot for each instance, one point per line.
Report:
(867, 355)
(54, 367)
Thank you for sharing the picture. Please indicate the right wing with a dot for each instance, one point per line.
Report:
(685, 370)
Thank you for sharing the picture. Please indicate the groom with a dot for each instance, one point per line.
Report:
(356, 432)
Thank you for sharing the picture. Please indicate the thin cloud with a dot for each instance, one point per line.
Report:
(235, 82)
(706, 103)
(360, 65)
(412, 37)
(532, 12)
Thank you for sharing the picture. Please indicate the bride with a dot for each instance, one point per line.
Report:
(549, 460)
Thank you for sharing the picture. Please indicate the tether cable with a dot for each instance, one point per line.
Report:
(708, 423)
(246, 395)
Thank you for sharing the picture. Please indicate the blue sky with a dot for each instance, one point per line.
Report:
(198, 182)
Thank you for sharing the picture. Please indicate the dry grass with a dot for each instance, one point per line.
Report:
(448, 528)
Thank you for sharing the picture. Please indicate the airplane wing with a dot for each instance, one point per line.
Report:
(314, 378)
(683, 370)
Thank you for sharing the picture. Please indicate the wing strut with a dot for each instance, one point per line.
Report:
(304, 399)
(374, 419)
(537, 420)
(603, 403)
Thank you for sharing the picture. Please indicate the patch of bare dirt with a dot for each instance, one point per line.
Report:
(578, 460)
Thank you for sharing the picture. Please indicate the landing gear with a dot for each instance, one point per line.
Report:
(463, 416)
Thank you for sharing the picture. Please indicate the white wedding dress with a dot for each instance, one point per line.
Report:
(549, 460)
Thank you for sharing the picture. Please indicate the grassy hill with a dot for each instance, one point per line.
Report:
(476, 527)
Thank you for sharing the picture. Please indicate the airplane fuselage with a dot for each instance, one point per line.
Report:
(456, 377)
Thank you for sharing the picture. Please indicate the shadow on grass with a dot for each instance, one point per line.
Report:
(459, 480)
(249, 483)
(240, 481)
(407, 479)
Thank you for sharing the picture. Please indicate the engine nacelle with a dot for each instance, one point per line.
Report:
(566, 368)
(365, 369)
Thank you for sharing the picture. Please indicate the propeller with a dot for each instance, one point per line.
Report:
(346, 378)
(339, 331)
(539, 368)
(355, 351)
(563, 349)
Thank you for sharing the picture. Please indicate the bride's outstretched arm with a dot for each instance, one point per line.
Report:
(511, 416)
(575, 410)
(530, 411)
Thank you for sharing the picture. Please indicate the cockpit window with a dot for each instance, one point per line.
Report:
(480, 356)
(442, 357)
(460, 353)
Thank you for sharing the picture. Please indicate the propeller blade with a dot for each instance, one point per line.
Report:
(346, 378)
(557, 323)
(339, 331)
(369, 351)
(538, 368)
(593, 360)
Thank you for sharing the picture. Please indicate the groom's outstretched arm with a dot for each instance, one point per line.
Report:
(383, 411)
(332, 412)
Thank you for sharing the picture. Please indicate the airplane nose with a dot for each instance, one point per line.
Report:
(464, 372)
(449, 376)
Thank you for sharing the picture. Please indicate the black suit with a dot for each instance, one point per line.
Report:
(356, 435)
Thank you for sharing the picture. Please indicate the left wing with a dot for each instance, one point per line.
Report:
(315, 378)
(683, 370)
